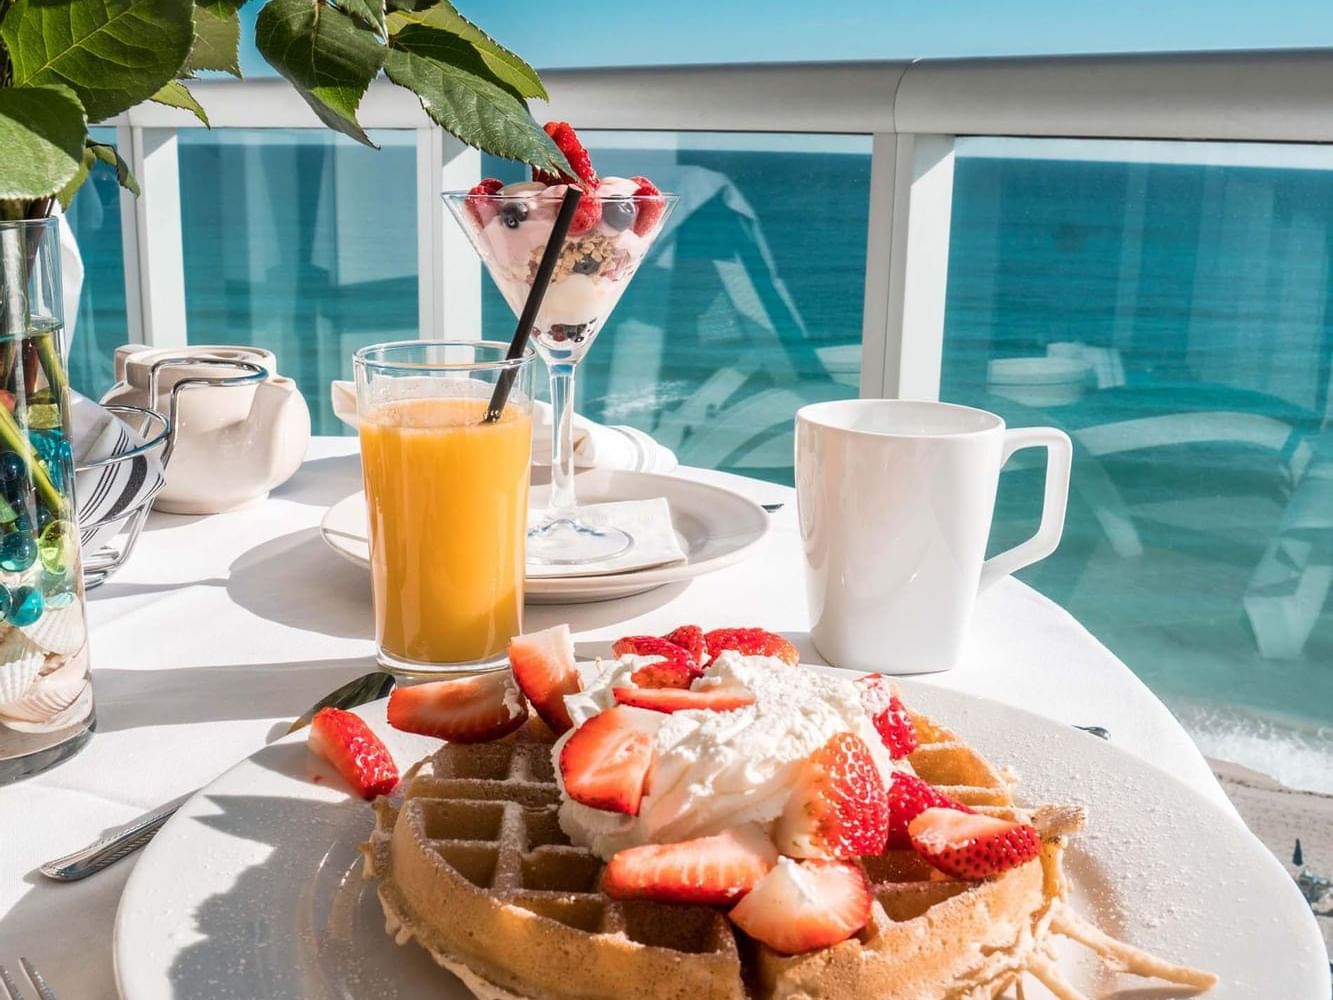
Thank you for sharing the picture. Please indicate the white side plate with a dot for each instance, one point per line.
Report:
(715, 526)
(253, 891)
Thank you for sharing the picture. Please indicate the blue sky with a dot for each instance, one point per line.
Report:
(687, 31)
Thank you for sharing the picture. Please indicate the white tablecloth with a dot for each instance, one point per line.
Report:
(222, 629)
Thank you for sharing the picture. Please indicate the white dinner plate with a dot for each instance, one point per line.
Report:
(715, 526)
(253, 891)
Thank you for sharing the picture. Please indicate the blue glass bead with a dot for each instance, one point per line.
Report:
(44, 517)
(18, 551)
(26, 607)
(12, 467)
(54, 450)
(6, 601)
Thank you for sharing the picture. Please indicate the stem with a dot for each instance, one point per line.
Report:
(562, 503)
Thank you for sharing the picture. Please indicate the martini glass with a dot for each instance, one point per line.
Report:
(606, 243)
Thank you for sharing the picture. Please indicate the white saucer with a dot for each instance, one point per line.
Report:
(715, 526)
(254, 888)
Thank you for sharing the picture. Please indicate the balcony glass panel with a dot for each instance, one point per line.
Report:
(1168, 304)
(99, 325)
(748, 308)
(301, 242)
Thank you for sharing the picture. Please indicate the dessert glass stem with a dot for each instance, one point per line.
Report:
(562, 503)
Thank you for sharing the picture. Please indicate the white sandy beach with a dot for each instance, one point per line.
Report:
(1278, 815)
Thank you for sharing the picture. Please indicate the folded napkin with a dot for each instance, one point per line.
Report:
(596, 446)
(647, 521)
(108, 491)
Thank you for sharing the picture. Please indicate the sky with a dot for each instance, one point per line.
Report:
(582, 33)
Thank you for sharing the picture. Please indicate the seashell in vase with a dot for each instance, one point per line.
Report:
(56, 700)
(60, 630)
(20, 664)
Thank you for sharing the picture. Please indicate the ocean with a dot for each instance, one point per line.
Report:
(1170, 311)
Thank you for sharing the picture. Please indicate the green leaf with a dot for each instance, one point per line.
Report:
(112, 53)
(108, 154)
(41, 133)
(458, 91)
(507, 67)
(176, 95)
(368, 12)
(325, 55)
(217, 37)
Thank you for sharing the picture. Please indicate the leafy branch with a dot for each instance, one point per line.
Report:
(67, 63)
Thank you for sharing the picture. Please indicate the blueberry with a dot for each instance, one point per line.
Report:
(575, 332)
(586, 265)
(618, 213)
(513, 213)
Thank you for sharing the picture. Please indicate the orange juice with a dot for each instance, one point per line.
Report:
(447, 497)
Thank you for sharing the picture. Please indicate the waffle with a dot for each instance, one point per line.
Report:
(473, 865)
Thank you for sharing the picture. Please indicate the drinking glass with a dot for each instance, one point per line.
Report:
(510, 233)
(447, 499)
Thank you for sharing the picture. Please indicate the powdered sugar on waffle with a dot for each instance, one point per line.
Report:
(714, 770)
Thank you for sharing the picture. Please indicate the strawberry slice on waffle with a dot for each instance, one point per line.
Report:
(803, 906)
(605, 762)
(712, 871)
(467, 710)
(356, 753)
(751, 642)
(970, 846)
(691, 639)
(839, 808)
(891, 718)
(909, 797)
(544, 669)
(670, 699)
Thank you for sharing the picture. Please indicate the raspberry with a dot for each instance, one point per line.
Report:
(651, 206)
(567, 141)
(483, 210)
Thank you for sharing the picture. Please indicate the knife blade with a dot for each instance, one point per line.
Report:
(125, 840)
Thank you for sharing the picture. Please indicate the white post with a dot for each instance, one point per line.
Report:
(448, 269)
(907, 264)
(154, 259)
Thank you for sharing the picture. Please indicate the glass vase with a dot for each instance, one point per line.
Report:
(46, 698)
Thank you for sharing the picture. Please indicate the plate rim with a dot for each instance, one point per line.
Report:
(642, 579)
(1187, 798)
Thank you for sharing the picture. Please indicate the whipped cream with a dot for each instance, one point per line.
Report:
(714, 770)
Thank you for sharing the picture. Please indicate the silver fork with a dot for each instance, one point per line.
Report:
(44, 992)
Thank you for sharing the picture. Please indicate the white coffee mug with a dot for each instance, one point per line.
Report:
(895, 501)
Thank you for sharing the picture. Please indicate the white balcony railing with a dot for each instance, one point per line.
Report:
(912, 111)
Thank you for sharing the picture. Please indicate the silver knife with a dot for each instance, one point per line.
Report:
(125, 840)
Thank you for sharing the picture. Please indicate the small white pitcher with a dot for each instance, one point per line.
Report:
(232, 444)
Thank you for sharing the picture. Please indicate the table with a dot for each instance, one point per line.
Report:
(221, 629)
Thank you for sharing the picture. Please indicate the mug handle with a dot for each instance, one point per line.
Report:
(1059, 459)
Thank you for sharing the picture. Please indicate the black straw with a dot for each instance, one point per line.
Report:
(528, 317)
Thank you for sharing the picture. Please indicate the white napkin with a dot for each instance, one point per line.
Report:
(109, 491)
(596, 446)
(647, 521)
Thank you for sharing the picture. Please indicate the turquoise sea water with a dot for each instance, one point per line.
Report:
(1188, 303)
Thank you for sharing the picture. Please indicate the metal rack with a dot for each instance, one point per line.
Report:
(158, 432)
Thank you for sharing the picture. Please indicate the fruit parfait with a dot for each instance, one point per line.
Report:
(617, 221)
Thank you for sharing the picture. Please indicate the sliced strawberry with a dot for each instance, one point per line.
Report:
(839, 808)
(751, 642)
(970, 846)
(711, 870)
(909, 797)
(605, 763)
(480, 208)
(346, 742)
(691, 639)
(468, 710)
(588, 213)
(886, 711)
(664, 674)
(651, 645)
(803, 906)
(543, 666)
(713, 699)
(569, 143)
(650, 205)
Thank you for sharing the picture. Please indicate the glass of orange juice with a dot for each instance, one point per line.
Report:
(447, 499)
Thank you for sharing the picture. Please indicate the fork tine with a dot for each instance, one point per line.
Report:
(38, 983)
(11, 987)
